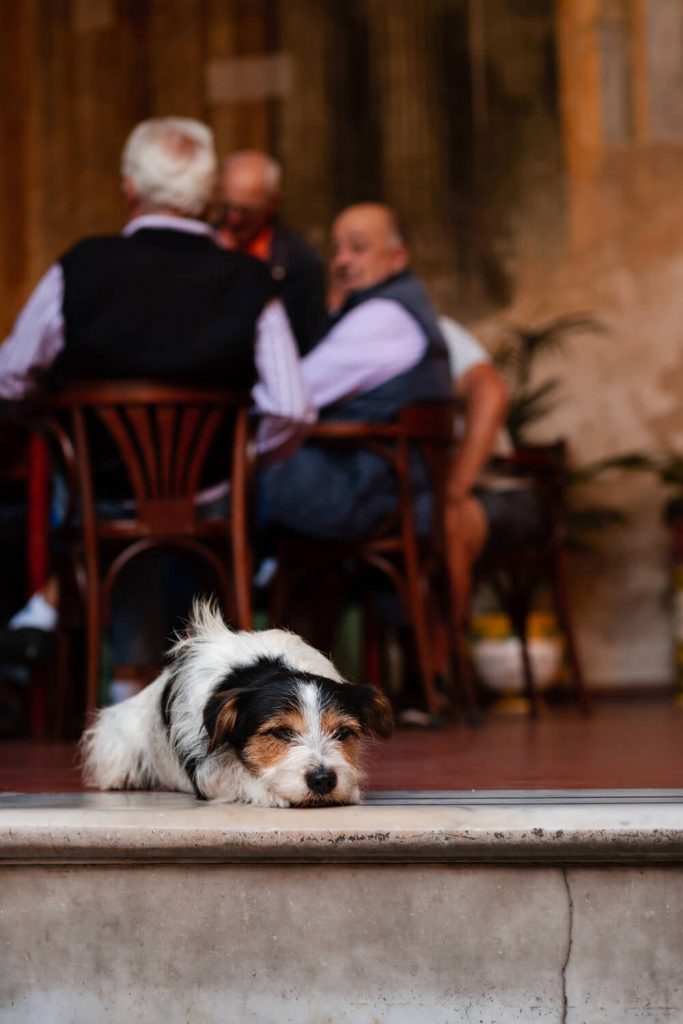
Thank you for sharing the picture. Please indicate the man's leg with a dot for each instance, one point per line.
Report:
(466, 535)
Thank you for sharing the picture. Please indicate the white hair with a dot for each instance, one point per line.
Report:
(171, 161)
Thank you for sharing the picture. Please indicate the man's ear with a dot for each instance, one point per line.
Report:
(401, 258)
(377, 715)
(220, 717)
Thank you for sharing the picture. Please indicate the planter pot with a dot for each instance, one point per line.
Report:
(676, 525)
(497, 653)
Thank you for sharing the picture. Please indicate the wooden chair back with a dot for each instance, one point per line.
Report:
(515, 574)
(420, 440)
(161, 438)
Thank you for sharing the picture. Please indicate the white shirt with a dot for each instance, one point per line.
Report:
(280, 393)
(464, 351)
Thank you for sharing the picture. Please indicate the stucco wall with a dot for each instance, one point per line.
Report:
(622, 262)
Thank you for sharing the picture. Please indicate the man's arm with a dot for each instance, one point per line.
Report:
(485, 395)
(36, 340)
(373, 343)
(281, 394)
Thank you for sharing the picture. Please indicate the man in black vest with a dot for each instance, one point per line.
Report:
(162, 300)
(251, 188)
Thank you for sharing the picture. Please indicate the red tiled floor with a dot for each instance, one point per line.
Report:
(625, 744)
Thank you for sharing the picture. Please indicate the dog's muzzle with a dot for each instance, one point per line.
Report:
(321, 781)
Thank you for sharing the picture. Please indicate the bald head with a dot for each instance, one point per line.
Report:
(251, 188)
(368, 245)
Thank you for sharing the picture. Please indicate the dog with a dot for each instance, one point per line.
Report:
(239, 717)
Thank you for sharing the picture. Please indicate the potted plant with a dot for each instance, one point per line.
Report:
(493, 638)
(669, 468)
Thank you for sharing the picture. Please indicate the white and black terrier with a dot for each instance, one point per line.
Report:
(257, 718)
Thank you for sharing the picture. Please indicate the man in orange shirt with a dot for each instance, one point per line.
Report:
(252, 195)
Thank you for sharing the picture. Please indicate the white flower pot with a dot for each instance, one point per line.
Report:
(499, 662)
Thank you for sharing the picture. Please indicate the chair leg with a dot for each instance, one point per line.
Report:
(93, 644)
(561, 598)
(418, 621)
(242, 589)
(62, 665)
(372, 645)
(517, 601)
(531, 694)
(38, 702)
(463, 667)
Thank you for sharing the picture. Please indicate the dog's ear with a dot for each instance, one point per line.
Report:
(377, 716)
(220, 717)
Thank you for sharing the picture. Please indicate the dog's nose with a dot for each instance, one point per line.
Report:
(321, 780)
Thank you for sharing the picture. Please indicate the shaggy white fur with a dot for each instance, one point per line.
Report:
(169, 735)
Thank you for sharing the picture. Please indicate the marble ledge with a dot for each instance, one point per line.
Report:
(641, 827)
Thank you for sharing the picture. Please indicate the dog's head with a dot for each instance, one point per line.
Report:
(297, 733)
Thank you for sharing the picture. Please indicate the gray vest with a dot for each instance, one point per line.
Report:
(333, 494)
(427, 380)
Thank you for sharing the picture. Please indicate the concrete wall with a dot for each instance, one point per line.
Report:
(387, 944)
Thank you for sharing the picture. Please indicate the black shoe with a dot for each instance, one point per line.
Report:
(27, 644)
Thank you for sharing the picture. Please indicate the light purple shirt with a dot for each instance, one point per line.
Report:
(280, 394)
(371, 344)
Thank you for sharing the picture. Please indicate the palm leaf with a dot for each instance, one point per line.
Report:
(628, 461)
(590, 520)
(516, 354)
(528, 407)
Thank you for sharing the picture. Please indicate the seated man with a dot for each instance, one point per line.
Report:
(382, 351)
(252, 194)
(161, 300)
(487, 511)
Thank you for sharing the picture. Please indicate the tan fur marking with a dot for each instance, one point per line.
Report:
(331, 720)
(379, 716)
(225, 721)
(264, 750)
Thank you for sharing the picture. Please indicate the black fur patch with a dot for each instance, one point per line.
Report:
(268, 687)
(168, 695)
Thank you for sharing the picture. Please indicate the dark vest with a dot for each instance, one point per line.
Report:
(163, 304)
(338, 494)
(299, 274)
(429, 379)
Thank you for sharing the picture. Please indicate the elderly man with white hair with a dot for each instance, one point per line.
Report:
(161, 300)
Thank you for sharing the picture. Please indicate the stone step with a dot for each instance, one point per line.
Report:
(594, 826)
(420, 908)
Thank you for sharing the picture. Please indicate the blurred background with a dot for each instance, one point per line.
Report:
(535, 149)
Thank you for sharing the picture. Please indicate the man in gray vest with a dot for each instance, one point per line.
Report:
(384, 349)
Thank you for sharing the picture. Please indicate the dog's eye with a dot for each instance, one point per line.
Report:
(281, 733)
(344, 734)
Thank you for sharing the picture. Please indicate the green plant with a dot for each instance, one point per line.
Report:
(516, 357)
(669, 468)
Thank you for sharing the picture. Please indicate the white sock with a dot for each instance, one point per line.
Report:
(37, 613)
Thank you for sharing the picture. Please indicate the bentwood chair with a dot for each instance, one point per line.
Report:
(516, 574)
(160, 441)
(415, 565)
